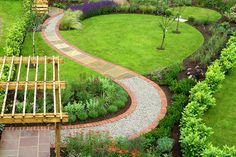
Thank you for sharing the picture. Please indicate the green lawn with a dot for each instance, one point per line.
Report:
(10, 12)
(131, 40)
(70, 71)
(222, 117)
(200, 14)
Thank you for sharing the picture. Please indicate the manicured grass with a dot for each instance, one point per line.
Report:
(10, 12)
(131, 40)
(200, 14)
(69, 71)
(222, 117)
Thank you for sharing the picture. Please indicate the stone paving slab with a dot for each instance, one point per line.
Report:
(25, 143)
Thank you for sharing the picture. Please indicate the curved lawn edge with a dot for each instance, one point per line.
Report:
(137, 51)
(117, 80)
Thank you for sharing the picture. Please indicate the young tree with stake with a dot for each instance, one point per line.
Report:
(179, 7)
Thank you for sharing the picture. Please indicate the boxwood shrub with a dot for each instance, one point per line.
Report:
(195, 134)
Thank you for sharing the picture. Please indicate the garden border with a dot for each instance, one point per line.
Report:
(110, 120)
(194, 132)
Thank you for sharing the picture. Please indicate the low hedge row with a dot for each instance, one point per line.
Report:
(14, 42)
(16, 35)
(194, 133)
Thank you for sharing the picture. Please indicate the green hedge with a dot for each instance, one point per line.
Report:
(194, 133)
(16, 35)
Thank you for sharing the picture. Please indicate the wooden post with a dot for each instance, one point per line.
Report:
(57, 125)
(58, 138)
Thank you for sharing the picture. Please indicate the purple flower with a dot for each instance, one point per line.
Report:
(91, 6)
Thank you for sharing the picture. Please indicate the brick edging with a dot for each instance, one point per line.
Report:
(132, 96)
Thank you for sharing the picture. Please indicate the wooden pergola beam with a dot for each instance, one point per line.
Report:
(31, 85)
(55, 85)
(33, 60)
(30, 118)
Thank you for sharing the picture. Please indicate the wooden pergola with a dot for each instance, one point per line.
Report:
(55, 86)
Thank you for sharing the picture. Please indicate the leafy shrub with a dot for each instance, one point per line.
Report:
(220, 5)
(71, 20)
(119, 103)
(72, 118)
(195, 134)
(98, 144)
(191, 19)
(92, 98)
(167, 75)
(182, 86)
(165, 145)
(112, 108)
(59, 5)
(214, 76)
(209, 50)
(93, 114)
(102, 111)
(174, 111)
(228, 57)
(231, 14)
(82, 115)
(122, 8)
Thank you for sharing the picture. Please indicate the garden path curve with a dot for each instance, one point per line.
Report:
(148, 100)
(148, 103)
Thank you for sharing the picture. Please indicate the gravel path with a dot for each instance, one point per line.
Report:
(148, 100)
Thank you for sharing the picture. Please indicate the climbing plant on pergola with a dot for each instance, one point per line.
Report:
(55, 86)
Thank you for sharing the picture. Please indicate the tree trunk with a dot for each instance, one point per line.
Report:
(163, 40)
(34, 50)
(177, 26)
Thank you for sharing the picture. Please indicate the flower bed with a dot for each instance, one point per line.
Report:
(194, 133)
(90, 98)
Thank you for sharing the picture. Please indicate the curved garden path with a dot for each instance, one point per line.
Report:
(148, 103)
(148, 100)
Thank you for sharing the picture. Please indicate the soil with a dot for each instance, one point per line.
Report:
(176, 135)
(53, 154)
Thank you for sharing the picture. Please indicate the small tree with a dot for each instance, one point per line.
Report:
(179, 10)
(166, 21)
(164, 24)
(35, 25)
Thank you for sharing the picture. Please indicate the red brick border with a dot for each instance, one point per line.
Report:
(132, 96)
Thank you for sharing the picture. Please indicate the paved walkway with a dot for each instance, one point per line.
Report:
(148, 100)
(25, 143)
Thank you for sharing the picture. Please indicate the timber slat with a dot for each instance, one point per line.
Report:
(33, 60)
(40, 85)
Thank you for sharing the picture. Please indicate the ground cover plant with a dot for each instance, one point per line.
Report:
(99, 144)
(9, 12)
(114, 38)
